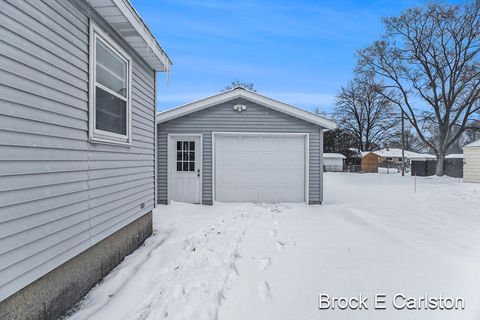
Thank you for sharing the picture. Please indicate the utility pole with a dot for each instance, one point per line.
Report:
(403, 145)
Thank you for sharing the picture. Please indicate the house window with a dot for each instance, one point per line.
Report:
(110, 87)
(185, 155)
(389, 159)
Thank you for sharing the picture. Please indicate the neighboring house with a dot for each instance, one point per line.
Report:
(333, 162)
(390, 157)
(77, 148)
(394, 155)
(471, 157)
(240, 146)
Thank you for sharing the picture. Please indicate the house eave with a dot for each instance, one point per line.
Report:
(124, 19)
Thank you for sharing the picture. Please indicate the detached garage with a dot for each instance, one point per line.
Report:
(471, 166)
(240, 146)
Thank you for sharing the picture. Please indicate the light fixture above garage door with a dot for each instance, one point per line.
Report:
(239, 107)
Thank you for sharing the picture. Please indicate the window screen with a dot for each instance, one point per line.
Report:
(110, 86)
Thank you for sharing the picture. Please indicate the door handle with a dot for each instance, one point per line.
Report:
(198, 173)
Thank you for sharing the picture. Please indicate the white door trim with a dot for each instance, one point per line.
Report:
(170, 164)
(285, 134)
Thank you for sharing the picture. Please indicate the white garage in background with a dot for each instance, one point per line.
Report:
(240, 146)
(333, 162)
(471, 166)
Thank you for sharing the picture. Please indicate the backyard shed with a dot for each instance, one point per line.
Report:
(240, 146)
(453, 165)
(422, 166)
(471, 157)
(77, 148)
(370, 162)
(333, 162)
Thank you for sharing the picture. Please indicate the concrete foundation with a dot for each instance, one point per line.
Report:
(51, 296)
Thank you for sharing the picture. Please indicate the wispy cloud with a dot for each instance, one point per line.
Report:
(299, 52)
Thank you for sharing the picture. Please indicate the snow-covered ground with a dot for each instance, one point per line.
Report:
(373, 235)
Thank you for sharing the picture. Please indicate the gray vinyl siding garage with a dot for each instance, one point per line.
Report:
(214, 120)
(59, 193)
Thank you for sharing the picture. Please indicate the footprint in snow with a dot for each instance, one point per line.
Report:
(280, 246)
(264, 263)
(273, 233)
(264, 290)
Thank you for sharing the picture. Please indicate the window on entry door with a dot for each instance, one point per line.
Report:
(185, 155)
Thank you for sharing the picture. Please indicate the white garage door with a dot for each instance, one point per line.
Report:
(260, 168)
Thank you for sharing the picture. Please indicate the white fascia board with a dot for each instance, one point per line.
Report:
(475, 144)
(137, 23)
(248, 95)
(291, 110)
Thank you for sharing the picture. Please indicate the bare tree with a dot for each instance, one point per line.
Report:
(239, 84)
(363, 111)
(429, 57)
(412, 141)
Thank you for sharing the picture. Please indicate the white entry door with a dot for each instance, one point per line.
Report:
(185, 169)
(260, 168)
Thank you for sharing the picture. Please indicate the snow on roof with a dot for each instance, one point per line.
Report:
(455, 156)
(397, 153)
(334, 155)
(475, 144)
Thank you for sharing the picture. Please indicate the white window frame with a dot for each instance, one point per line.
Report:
(97, 135)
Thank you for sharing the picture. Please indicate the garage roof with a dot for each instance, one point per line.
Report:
(397, 153)
(475, 144)
(332, 155)
(123, 17)
(248, 95)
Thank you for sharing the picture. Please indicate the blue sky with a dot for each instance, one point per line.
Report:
(299, 52)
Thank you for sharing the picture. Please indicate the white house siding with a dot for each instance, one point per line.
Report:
(220, 118)
(60, 194)
(471, 168)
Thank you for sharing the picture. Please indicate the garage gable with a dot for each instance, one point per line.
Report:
(241, 93)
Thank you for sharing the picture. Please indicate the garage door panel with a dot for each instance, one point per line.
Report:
(271, 143)
(248, 159)
(227, 160)
(291, 178)
(249, 178)
(292, 162)
(229, 178)
(229, 144)
(260, 168)
(249, 143)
